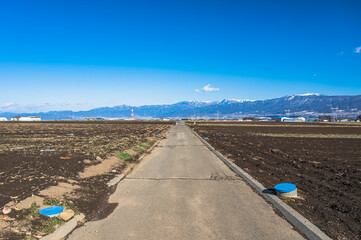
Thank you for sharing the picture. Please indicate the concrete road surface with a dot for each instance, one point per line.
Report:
(183, 191)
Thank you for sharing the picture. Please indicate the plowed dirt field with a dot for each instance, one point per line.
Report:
(324, 161)
(46, 159)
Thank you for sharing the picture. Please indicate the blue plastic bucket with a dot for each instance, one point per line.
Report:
(286, 190)
(49, 211)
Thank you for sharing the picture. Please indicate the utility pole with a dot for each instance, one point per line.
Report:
(334, 113)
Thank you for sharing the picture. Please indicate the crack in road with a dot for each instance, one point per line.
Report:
(183, 145)
(227, 178)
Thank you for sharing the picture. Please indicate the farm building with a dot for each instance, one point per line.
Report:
(94, 118)
(285, 119)
(26, 119)
(2, 119)
(300, 119)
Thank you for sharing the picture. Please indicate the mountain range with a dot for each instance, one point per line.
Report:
(307, 105)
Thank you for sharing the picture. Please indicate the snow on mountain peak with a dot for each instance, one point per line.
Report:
(290, 97)
(308, 94)
(237, 100)
(196, 101)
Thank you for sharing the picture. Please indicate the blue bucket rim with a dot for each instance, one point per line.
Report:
(285, 187)
(51, 210)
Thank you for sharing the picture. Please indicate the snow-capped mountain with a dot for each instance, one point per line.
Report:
(308, 94)
(311, 104)
(231, 101)
(290, 97)
(197, 103)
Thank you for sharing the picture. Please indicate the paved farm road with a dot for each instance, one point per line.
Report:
(183, 191)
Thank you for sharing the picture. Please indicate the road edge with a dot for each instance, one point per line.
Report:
(65, 229)
(301, 223)
(118, 178)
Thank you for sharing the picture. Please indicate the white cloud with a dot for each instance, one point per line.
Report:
(13, 107)
(43, 107)
(8, 105)
(81, 103)
(31, 108)
(358, 50)
(207, 88)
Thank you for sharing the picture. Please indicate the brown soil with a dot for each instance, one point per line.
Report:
(26, 203)
(100, 168)
(327, 171)
(46, 159)
(59, 191)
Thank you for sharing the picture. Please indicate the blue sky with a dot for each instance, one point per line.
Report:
(83, 54)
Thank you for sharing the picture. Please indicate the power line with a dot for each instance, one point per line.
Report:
(334, 113)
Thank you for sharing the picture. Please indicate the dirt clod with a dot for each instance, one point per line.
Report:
(66, 215)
